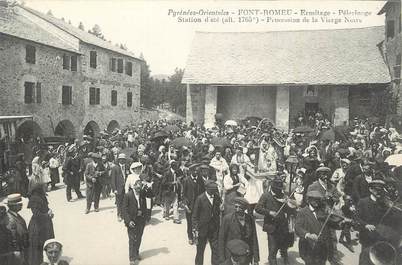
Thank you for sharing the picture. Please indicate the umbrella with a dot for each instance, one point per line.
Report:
(231, 123)
(181, 141)
(328, 135)
(394, 160)
(171, 128)
(303, 129)
(159, 135)
(220, 141)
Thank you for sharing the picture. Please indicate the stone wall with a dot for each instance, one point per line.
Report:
(48, 70)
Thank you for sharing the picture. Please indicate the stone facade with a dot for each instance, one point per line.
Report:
(393, 46)
(48, 70)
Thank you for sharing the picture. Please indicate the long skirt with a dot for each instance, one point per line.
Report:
(40, 229)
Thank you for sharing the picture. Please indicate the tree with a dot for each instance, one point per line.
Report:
(146, 85)
(81, 26)
(97, 31)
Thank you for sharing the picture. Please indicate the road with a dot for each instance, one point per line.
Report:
(99, 239)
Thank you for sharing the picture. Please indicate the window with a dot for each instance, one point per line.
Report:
(66, 62)
(365, 96)
(30, 54)
(94, 96)
(66, 95)
(29, 92)
(129, 68)
(120, 66)
(113, 64)
(129, 99)
(92, 59)
(74, 63)
(390, 29)
(398, 59)
(400, 24)
(38, 92)
(114, 98)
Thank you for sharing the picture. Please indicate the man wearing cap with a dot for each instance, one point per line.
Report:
(118, 177)
(360, 184)
(193, 186)
(71, 173)
(239, 225)
(239, 253)
(170, 191)
(19, 230)
(275, 221)
(205, 219)
(324, 185)
(313, 237)
(375, 215)
(93, 174)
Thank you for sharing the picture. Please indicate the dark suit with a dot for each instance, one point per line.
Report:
(312, 253)
(360, 188)
(276, 228)
(205, 219)
(134, 209)
(117, 184)
(232, 229)
(94, 189)
(71, 173)
(192, 188)
(19, 241)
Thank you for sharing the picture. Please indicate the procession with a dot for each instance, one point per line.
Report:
(324, 189)
(243, 137)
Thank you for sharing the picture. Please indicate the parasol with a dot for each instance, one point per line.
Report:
(181, 141)
(159, 135)
(220, 141)
(394, 160)
(328, 135)
(171, 128)
(303, 129)
(231, 123)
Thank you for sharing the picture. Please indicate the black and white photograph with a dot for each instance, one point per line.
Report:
(200, 132)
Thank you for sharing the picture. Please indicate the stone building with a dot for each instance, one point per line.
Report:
(275, 75)
(69, 80)
(392, 45)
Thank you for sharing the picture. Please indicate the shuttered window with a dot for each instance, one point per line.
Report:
(113, 64)
(74, 63)
(129, 99)
(66, 95)
(114, 98)
(129, 68)
(30, 54)
(29, 92)
(120, 66)
(92, 59)
(66, 62)
(38, 92)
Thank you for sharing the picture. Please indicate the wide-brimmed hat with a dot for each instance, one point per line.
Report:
(135, 165)
(323, 169)
(241, 201)
(238, 247)
(96, 156)
(121, 156)
(14, 199)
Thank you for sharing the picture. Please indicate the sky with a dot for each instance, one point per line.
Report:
(146, 26)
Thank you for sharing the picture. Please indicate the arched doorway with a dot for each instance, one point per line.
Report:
(28, 130)
(65, 128)
(113, 125)
(91, 129)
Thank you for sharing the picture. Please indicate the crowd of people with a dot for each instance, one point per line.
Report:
(305, 183)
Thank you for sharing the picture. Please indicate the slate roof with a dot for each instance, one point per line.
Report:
(317, 57)
(81, 34)
(18, 26)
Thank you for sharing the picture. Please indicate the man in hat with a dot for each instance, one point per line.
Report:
(377, 220)
(193, 186)
(18, 229)
(324, 185)
(134, 213)
(205, 219)
(170, 191)
(71, 173)
(93, 174)
(118, 175)
(232, 227)
(239, 253)
(314, 248)
(360, 184)
(276, 220)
